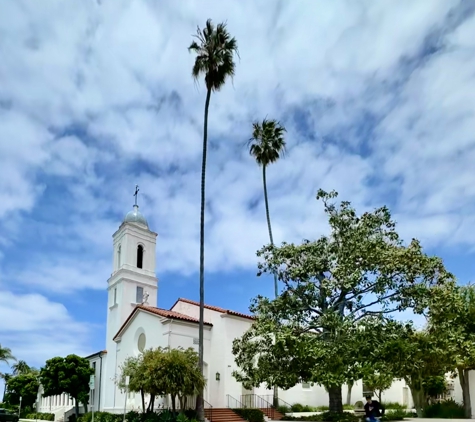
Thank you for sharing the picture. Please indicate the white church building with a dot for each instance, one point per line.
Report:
(135, 323)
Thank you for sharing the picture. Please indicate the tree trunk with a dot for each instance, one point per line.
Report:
(200, 404)
(418, 397)
(465, 384)
(142, 394)
(76, 406)
(335, 399)
(271, 238)
(173, 402)
(151, 403)
(348, 393)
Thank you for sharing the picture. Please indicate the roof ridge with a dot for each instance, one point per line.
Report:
(214, 308)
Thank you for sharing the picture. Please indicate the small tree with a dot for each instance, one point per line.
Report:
(416, 356)
(452, 318)
(133, 368)
(333, 287)
(379, 382)
(68, 375)
(24, 386)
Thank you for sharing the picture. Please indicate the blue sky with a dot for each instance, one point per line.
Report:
(378, 99)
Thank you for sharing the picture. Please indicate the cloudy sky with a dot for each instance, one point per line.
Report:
(95, 96)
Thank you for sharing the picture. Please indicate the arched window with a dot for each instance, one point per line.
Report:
(140, 256)
(118, 256)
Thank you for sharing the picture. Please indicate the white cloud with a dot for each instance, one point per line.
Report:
(37, 329)
(120, 72)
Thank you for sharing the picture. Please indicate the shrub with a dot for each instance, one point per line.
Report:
(396, 415)
(284, 409)
(326, 417)
(448, 409)
(394, 405)
(251, 415)
(40, 416)
(297, 407)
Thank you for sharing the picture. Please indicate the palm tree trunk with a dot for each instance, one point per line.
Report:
(276, 287)
(200, 407)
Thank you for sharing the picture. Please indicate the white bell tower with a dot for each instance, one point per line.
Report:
(133, 280)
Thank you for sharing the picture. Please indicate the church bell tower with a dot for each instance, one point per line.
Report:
(133, 280)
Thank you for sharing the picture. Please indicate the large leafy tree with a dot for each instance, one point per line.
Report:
(452, 318)
(25, 386)
(267, 145)
(339, 292)
(215, 50)
(68, 375)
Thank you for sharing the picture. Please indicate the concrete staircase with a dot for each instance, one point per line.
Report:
(222, 415)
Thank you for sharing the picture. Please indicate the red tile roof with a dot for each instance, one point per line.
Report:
(216, 308)
(160, 312)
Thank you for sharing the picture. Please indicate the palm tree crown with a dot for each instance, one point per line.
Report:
(214, 49)
(21, 367)
(267, 144)
(6, 354)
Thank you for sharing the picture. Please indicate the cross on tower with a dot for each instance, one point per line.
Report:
(136, 193)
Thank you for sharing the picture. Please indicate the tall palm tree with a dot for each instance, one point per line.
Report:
(21, 367)
(214, 49)
(6, 354)
(267, 145)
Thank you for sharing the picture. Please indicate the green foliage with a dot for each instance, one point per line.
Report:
(394, 405)
(267, 143)
(379, 381)
(326, 417)
(395, 415)
(448, 409)
(416, 356)
(214, 49)
(250, 415)
(332, 316)
(41, 416)
(24, 386)
(163, 371)
(452, 320)
(6, 355)
(160, 416)
(68, 375)
(283, 409)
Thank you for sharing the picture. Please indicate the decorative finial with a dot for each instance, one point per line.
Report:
(136, 194)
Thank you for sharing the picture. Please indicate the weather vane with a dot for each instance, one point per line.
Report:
(136, 193)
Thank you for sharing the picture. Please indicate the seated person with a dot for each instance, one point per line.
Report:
(373, 409)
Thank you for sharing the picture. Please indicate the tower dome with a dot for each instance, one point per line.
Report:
(135, 216)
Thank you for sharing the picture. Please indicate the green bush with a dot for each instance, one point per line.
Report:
(284, 409)
(133, 416)
(448, 409)
(394, 405)
(297, 407)
(326, 417)
(40, 416)
(251, 415)
(395, 415)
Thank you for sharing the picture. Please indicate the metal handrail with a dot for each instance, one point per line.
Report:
(235, 401)
(259, 402)
(271, 397)
(210, 409)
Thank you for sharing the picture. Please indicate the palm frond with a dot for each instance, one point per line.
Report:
(214, 49)
(267, 143)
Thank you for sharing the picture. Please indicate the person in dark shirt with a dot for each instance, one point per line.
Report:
(373, 409)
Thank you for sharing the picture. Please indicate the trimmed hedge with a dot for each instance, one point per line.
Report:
(326, 417)
(251, 415)
(160, 416)
(41, 416)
